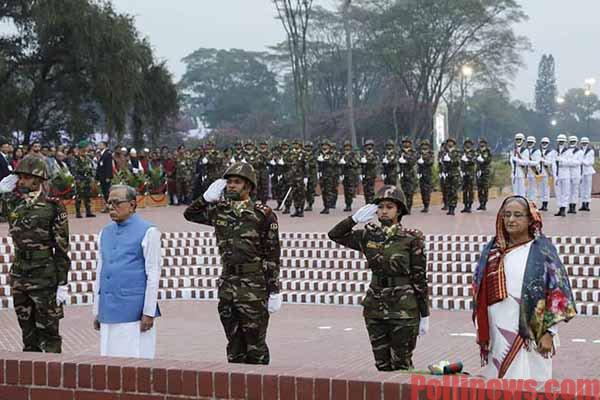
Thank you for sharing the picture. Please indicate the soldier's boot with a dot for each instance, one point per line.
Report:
(88, 209)
(78, 209)
(425, 208)
(299, 213)
(278, 205)
(445, 207)
(465, 209)
(544, 206)
(469, 206)
(561, 212)
(348, 208)
(482, 206)
(583, 208)
(572, 208)
(286, 211)
(450, 211)
(587, 206)
(308, 208)
(325, 211)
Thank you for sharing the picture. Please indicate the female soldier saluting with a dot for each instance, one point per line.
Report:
(396, 307)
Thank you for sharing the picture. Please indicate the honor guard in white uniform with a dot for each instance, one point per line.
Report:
(546, 166)
(535, 156)
(519, 161)
(562, 175)
(575, 169)
(587, 172)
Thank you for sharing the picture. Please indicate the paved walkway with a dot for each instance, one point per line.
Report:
(329, 337)
(170, 219)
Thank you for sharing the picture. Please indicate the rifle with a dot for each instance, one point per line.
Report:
(284, 199)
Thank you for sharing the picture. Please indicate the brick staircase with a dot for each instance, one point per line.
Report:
(318, 271)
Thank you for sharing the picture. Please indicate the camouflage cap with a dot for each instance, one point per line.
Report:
(390, 142)
(369, 142)
(468, 140)
(451, 140)
(347, 143)
(249, 142)
(394, 194)
(297, 141)
(425, 142)
(483, 140)
(325, 142)
(243, 170)
(406, 139)
(33, 166)
(264, 141)
(308, 144)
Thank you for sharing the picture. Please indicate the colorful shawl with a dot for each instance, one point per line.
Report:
(546, 295)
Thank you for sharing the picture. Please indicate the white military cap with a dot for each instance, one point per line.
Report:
(531, 139)
(572, 138)
(585, 140)
(133, 151)
(545, 140)
(561, 138)
(520, 136)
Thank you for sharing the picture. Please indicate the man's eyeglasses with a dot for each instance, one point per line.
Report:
(116, 203)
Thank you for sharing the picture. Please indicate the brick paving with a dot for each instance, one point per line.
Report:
(323, 337)
(170, 219)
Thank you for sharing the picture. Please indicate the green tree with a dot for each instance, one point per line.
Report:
(576, 113)
(545, 88)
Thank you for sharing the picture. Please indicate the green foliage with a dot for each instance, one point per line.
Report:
(501, 174)
(545, 88)
(62, 185)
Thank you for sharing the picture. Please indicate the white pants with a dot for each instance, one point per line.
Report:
(574, 195)
(126, 340)
(586, 188)
(519, 187)
(562, 188)
(545, 189)
(532, 189)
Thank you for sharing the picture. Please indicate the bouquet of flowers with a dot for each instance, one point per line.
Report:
(62, 185)
(156, 181)
(137, 182)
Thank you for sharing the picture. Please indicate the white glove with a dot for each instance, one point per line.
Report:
(280, 162)
(272, 162)
(319, 175)
(205, 160)
(320, 158)
(424, 326)
(279, 177)
(480, 159)
(363, 160)
(215, 190)
(342, 162)
(419, 176)
(365, 213)
(420, 161)
(462, 174)
(361, 177)
(341, 177)
(385, 160)
(9, 183)
(447, 158)
(62, 294)
(232, 160)
(399, 176)
(383, 176)
(305, 181)
(402, 160)
(244, 160)
(135, 171)
(464, 158)
(275, 301)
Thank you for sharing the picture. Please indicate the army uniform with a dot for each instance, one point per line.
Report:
(349, 167)
(83, 172)
(468, 169)
(389, 164)
(276, 177)
(397, 297)
(297, 173)
(214, 165)
(369, 163)
(238, 152)
(425, 173)
(329, 178)
(408, 172)
(313, 168)
(443, 174)
(39, 228)
(260, 163)
(451, 163)
(248, 240)
(284, 177)
(198, 174)
(184, 176)
(484, 163)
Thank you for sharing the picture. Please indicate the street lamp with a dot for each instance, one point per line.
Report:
(553, 122)
(467, 71)
(560, 100)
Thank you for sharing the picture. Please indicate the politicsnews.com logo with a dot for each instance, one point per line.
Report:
(454, 387)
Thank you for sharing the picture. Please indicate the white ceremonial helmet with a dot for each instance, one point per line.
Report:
(519, 136)
(545, 140)
(585, 140)
(530, 139)
(133, 151)
(561, 138)
(124, 150)
(573, 138)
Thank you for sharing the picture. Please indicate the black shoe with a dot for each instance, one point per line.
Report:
(348, 209)
(464, 210)
(78, 215)
(587, 207)
(561, 212)
(544, 206)
(325, 211)
(480, 208)
(483, 207)
(425, 209)
(468, 210)
(582, 208)
(90, 215)
(308, 208)
(444, 208)
(286, 211)
(572, 208)
(298, 214)
(450, 211)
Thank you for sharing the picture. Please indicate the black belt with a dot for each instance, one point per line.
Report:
(390, 281)
(243, 269)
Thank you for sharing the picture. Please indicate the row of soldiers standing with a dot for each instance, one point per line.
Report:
(290, 174)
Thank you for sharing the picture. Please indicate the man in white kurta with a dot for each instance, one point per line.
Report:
(127, 276)
(587, 173)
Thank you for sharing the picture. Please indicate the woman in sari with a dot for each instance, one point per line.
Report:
(521, 292)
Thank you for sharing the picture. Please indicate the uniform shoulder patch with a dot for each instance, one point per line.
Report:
(263, 209)
(414, 232)
(371, 227)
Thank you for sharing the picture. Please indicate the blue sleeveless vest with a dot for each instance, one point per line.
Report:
(123, 276)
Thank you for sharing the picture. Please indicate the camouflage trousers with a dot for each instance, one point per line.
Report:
(311, 190)
(408, 187)
(393, 342)
(444, 190)
(245, 325)
(483, 187)
(391, 179)
(329, 190)
(468, 190)
(297, 195)
(262, 187)
(82, 193)
(38, 316)
(184, 190)
(369, 189)
(349, 184)
(426, 186)
(452, 184)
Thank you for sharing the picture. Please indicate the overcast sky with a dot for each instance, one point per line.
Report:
(568, 29)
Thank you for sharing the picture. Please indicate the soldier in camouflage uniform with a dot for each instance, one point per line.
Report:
(451, 165)
(284, 177)
(443, 173)
(39, 228)
(238, 152)
(248, 239)
(369, 163)
(396, 306)
(213, 165)
(408, 172)
(425, 173)
(349, 168)
(468, 167)
(275, 173)
(313, 168)
(329, 178)
(297, 177)
(184, 176)
(484, 162)
(83, 172)
(389, 164)
(261, 166)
